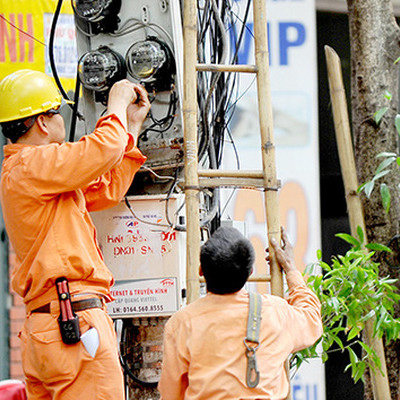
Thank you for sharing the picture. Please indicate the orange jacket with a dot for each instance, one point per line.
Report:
(204, 354)
(46, 195)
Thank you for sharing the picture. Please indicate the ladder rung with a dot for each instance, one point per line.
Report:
(215, 173)
(231, 181)
(259, 278)
(227, 68)
(256, 278)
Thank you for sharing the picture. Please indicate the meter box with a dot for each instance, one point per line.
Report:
(145, 255)
(141, 41)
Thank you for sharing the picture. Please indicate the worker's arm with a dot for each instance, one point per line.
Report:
(302, 315)
(108, 190)
(175, 366)
(54, 168)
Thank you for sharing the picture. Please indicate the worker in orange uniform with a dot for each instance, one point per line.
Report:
(206, 355)
(48, 188)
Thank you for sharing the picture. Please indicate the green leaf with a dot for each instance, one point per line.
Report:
(368, 316)
(368, 188)
(360, 234)
(353, 333)
(385, 195)
(338, 341)
(381, 318)
(397, 123)
(366, 348)
(380, 175)
(334, 303)
(386, 154)
(349, 239)
(353, 358)
(397, 60)
(387, 95)
(384, 164)
(378, 115)
(378, 247)
(359, 371)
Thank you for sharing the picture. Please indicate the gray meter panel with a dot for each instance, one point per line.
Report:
(143, 42)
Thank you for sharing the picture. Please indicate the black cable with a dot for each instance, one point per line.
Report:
(51, 50)
(169, 118)
(246, 15)
(216, 109)
(126, 368)
(75, 109)
(53, 64)
(130, 374)
(177, 227)
(170, 113)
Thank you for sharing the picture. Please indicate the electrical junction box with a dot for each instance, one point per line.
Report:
(141, 40)
(145, 255)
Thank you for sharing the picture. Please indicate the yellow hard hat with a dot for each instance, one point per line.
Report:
(25, 93)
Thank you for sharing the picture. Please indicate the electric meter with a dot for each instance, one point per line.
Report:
(100, 69)
(151, 62)
(102, 15)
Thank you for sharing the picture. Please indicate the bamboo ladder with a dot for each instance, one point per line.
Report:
(196, 180)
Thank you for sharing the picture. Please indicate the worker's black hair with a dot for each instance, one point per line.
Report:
(226, 259)
(13, 130)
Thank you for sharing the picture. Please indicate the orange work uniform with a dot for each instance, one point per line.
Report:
(204, 354)
(46, 194)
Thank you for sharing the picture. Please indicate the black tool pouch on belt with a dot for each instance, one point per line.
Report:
(68, 320)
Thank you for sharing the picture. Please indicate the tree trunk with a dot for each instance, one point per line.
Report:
(374, 38)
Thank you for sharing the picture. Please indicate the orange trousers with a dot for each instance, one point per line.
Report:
(57, 371)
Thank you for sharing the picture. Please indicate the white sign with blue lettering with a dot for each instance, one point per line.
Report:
(293, 80)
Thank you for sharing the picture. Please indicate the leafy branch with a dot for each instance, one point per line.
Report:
(383, 168)
(351, 293)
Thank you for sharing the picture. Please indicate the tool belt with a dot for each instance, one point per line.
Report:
(68, 321)
(78, 305)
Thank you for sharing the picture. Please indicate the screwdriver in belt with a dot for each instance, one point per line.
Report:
(65, 304)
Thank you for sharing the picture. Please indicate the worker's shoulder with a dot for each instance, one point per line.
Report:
(190, 312)
(20, 153)
(191, 308)
(270, 300)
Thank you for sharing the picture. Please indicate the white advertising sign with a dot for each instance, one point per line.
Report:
(293, 80)
(144, 254)
(65, 50)
(144, 297)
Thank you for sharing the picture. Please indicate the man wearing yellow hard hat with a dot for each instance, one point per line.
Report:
(48, 187)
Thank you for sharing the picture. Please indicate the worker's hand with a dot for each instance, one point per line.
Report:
(138, 110)
(120, 96)
(122, 93)
(284, 253)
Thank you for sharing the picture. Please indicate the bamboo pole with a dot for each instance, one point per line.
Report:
(380, 384)
(252, 278)
(267, 140)
(190, 149)
(251, 69)
(267, 145)
(231, 174)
